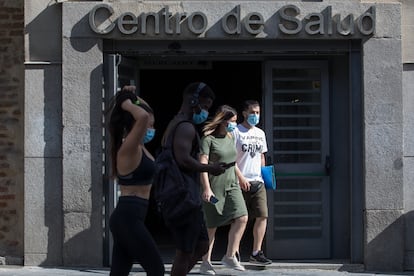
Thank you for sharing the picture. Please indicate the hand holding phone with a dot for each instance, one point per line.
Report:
(229, 165)
(213, 199)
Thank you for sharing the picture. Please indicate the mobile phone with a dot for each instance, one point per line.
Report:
(231, 164)
(213, 200)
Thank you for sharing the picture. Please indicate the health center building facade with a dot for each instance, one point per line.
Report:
(335, 80)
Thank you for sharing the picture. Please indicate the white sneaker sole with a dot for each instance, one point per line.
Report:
(239, 268)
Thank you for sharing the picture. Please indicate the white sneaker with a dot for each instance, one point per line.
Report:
(232, 262)
(206, 268)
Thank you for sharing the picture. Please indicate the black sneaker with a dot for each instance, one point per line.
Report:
(260, 259)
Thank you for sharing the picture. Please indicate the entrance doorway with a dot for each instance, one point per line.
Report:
(161, 81)
(232, 81)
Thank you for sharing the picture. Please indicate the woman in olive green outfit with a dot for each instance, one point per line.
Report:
(217, 145)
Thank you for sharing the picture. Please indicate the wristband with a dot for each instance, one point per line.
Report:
(143, 106)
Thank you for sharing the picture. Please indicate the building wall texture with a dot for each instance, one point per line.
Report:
(408, 114)
(11, 130)
(50, 211)
(43, 138)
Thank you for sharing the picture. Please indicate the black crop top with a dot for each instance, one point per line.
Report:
(142, 175)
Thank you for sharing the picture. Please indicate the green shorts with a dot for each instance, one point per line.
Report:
(256, 203)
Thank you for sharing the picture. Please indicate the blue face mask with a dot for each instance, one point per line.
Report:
(200, 117)
(149, 135)
(231, 126)
(253, 119)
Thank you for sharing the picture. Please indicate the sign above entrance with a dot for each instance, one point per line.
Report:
(173, 63)
(285, 22)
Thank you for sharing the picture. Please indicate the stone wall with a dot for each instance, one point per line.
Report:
(43, 220)
(407, 27)
(11, 131)
(408, 110)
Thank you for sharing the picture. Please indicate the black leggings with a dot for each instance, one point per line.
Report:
(132, 241)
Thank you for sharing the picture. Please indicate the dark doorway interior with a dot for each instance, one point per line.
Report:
(233, 82)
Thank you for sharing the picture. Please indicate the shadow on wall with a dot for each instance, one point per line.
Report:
(52, 134)
(45, 35)
(409, 241)
(385, 252)
(85, 44)
(47, 27)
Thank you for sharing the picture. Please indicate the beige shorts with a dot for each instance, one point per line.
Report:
(256, 203)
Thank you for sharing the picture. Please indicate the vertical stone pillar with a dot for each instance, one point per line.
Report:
(43, 134)
(382, 81)
(82, 60)
(408, 112)
(82, 152)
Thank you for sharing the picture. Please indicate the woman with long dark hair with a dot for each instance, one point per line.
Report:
(131, 125)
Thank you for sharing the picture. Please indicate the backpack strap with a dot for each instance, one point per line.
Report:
(171, 135)
(170, 138)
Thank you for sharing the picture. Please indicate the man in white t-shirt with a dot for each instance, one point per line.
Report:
(251, 146)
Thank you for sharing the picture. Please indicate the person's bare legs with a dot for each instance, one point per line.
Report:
(235, 234)
(211, 238)
(259, 231)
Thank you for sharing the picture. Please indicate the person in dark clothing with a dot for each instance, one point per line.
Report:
(190, 233)
(131, 126)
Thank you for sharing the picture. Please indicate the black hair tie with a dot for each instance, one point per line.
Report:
(125, 95)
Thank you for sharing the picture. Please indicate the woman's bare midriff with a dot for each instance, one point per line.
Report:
(142, 191)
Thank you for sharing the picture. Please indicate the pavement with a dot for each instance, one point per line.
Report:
(275, 269)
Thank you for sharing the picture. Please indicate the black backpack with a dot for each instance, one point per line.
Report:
(171, 186)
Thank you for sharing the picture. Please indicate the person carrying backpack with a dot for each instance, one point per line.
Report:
(181, 137)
